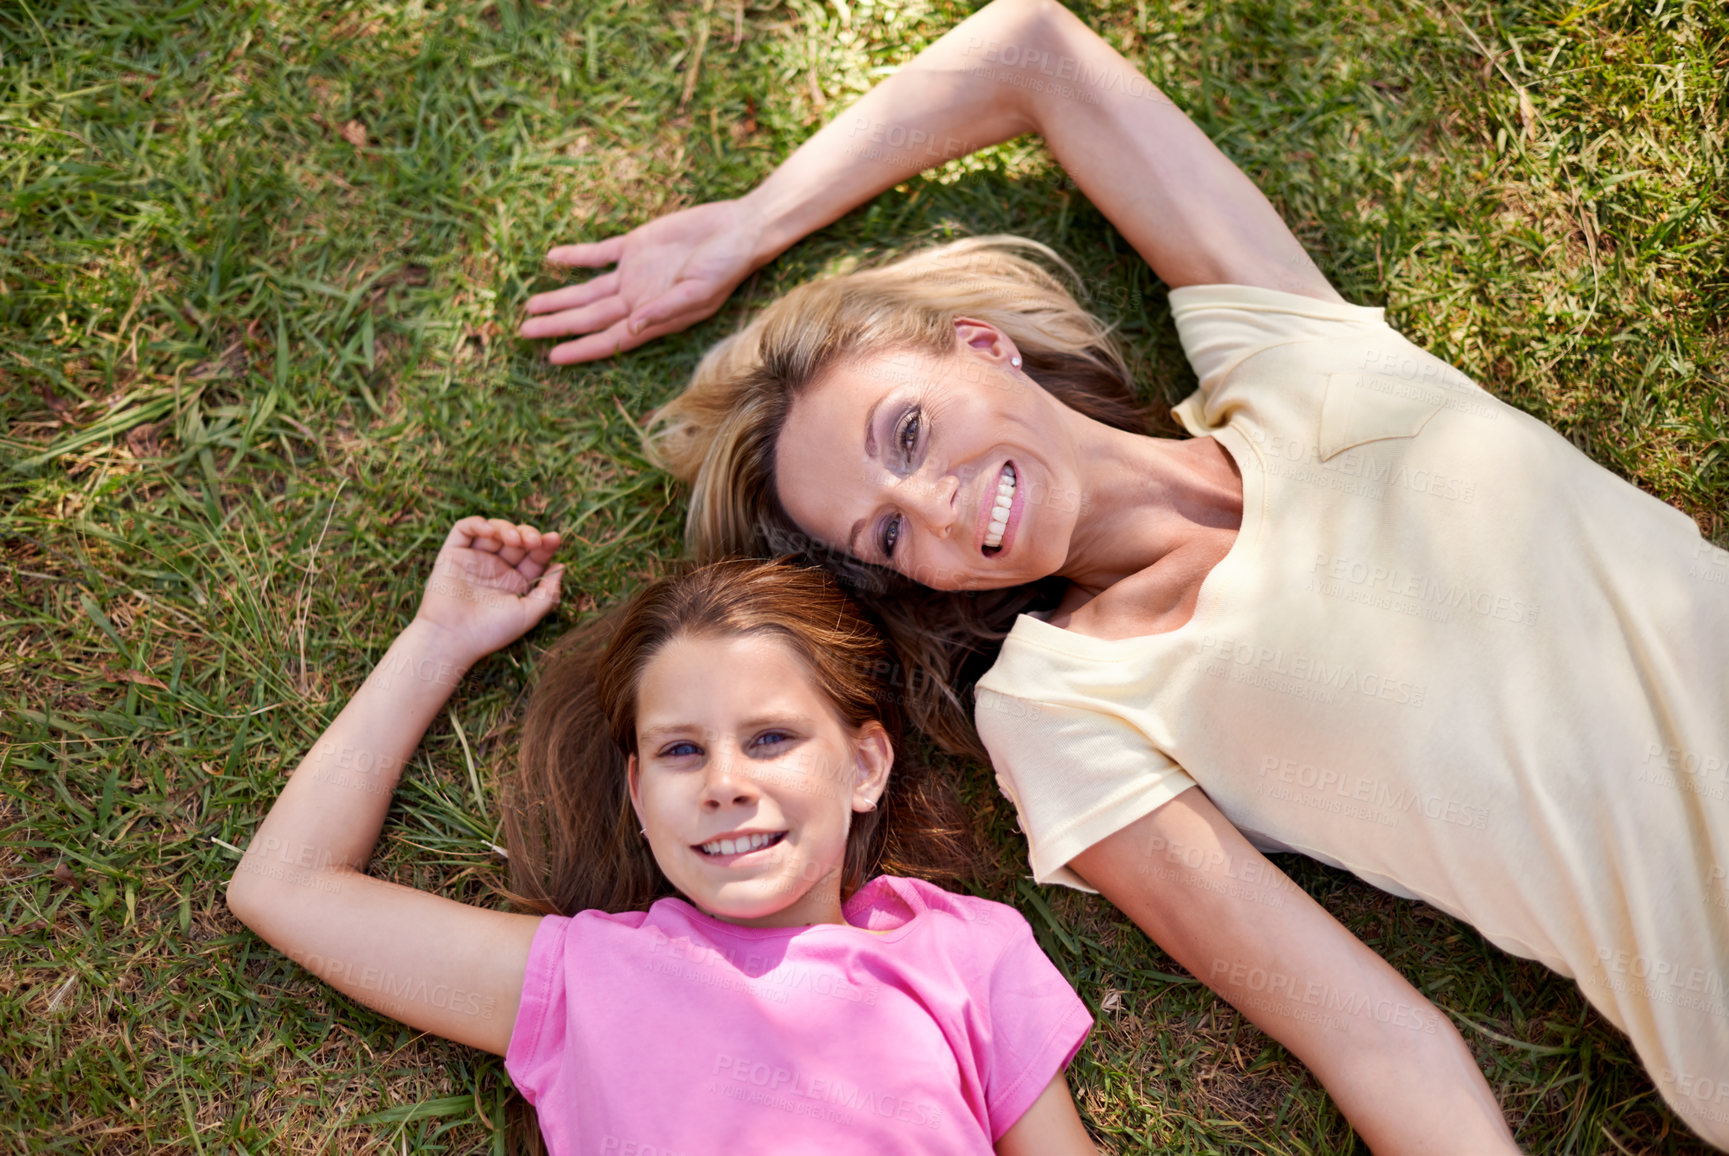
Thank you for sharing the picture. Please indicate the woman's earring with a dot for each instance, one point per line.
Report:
(645, 832)
(870, 805)
(1015, 361)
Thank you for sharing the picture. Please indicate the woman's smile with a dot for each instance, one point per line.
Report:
(966, 444)
(1002, 513)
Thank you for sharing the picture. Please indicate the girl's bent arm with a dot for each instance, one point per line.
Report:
(1394, 1063)
(430, 962)
(1051, 1127)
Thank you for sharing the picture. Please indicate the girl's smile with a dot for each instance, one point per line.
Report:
(746, 778)
(731, 847)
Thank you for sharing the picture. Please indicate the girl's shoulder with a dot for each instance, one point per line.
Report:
(891, 903)
(669, 917)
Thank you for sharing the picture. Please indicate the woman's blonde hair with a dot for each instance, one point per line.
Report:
(719, 435)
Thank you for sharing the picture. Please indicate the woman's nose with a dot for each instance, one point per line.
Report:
(932, 502)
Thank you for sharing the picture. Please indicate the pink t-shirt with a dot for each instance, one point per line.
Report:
(927, 1023)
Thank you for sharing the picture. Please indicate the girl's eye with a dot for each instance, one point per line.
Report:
(771, 739)
(680, 751)
(890, 535)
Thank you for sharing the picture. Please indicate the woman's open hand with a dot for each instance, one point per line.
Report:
(489, 585)
(671, 273)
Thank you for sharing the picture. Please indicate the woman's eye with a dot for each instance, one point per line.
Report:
(909, 433)
(680, 751)
(907, 437)
(772, 739)
(890, 535)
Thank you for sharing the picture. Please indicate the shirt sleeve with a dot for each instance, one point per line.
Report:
(1222, 325)
(1075, 774)
(1325, 377)
(1037, 1024)
(536, 1049)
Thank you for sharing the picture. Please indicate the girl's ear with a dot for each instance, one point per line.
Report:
(635, 782)
(876, 757)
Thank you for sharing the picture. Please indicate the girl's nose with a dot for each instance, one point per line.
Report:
(723, 784)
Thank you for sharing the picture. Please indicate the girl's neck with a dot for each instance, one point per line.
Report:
(808, 910)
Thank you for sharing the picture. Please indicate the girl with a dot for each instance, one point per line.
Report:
(1367, 612)
(705, 787)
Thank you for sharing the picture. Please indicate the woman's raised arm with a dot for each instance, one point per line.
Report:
(1188, 210)
(1021, 66)
(1014, 67)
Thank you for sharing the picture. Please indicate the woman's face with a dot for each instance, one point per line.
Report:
(957, 472)
(746, 779)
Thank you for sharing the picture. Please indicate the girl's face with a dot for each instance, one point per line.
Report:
(906, 461)
(746, 779)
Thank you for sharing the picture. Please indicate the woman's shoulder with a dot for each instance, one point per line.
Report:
(1057, 657)
(1190, 300)
(1222, 327)
(1156, 600)
(1149, 602)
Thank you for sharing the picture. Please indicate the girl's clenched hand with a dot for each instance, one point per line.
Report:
(490, 584)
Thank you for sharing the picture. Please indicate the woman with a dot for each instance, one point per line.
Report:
(1370, 612)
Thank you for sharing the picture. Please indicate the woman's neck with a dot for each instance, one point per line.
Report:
(1144, 498)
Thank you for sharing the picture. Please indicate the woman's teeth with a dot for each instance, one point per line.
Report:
(739, 846)
(1000, 515)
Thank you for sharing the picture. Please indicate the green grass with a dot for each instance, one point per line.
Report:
(254, 367)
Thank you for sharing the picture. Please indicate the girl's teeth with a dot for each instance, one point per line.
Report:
(735, 846)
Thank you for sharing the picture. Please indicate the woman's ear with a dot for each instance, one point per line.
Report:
(984, 339)
(876, 757)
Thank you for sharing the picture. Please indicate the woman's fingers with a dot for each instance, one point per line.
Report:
(614, 340)
(680, 299)
(584, 319)
(589, 254)
(574, 296)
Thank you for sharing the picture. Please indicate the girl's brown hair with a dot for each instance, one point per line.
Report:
(571, 834)
(720, 434)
